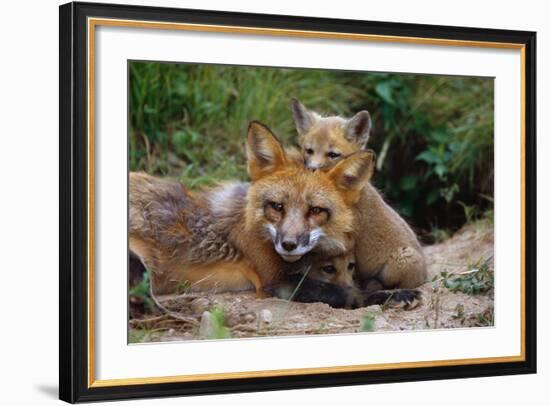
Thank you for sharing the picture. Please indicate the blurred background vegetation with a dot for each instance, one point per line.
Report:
(433, 135)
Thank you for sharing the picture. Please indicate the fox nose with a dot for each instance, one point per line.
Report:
(289, 245)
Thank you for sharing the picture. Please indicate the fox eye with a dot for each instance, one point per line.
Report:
(309, 151)
(329, 269)
(333, 155)
(317, 210)
(276, 206)
(351, 266)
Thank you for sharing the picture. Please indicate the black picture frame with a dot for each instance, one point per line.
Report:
(74, 200)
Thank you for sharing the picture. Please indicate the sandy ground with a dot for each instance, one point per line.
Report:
(246, 316)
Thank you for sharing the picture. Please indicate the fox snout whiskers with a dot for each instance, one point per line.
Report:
(293, 247)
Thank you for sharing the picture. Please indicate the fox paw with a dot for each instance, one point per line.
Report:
(406, 299)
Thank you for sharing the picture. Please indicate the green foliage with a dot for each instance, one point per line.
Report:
(436, 145)
(367, 323)
(220, 331)
(141, 291)
(140, 335)
(438, 235)
(433, 134)
(479, 279)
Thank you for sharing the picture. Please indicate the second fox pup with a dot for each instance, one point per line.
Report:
(331, 280)
(326, 140)
(321, 279)
(237, 235)
(386, 247)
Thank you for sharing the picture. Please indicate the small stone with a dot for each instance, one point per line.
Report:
(266, 316)
(231, 320)
(206, 328)
(249, 317)
(200, 305)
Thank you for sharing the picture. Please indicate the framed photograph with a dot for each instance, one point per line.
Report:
(258, 202)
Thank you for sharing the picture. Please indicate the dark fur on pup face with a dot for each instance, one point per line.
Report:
(331, 280)
(307, 290)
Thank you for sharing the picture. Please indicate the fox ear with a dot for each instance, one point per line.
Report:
(303, 118)
(352, 174)
(358, 128)
(265, 153)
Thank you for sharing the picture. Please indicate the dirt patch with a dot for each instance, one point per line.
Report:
(242, 315)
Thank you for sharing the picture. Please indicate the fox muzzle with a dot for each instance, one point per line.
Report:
(292, 247)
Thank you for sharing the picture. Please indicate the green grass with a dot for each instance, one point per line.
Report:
(219, 330)
(478, 279)
(142, 291)
(368, 322)
(433, 134)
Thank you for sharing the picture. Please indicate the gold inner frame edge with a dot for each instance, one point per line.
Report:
(91, 25)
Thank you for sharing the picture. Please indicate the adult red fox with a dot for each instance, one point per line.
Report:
(238, 235)
(385, 246)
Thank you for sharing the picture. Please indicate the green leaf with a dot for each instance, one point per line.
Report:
(448, 193)
(439, 135)
(149, 110)
(440, 170)
(180, 138)
(181, 89)
(384, 90)
(408, 182)
(162, 137)
(428, 156)
(432, 197)
(367, 324)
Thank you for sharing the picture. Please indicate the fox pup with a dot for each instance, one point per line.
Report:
(386, 247)
(331, 280)
(238, 235)
(321, 279)
(326, 140)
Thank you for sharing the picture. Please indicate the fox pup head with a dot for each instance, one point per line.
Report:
(298, 209)
(325, 140)
(336, 270)
(328, 279)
